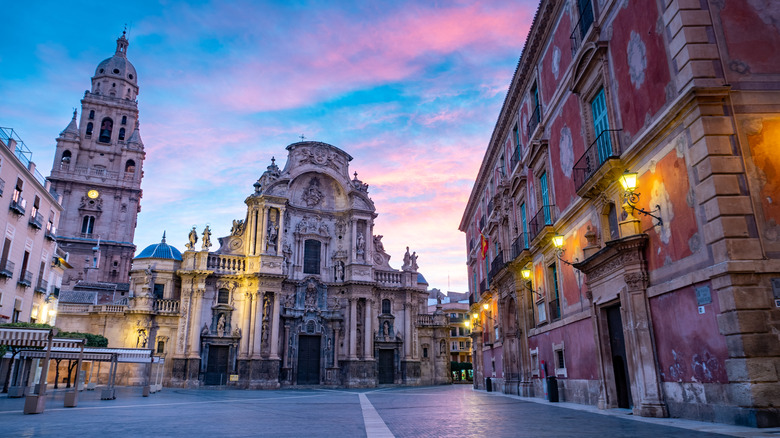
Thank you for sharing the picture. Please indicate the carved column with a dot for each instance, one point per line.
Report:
(257, 329)
(368, 352)
(246, 326)
(407, 330)
(280, 235)
(275, 327)
(352, 328)
(353, 256)
(286, 349)
(263, 231)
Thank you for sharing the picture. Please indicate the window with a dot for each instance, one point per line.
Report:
(23, 275)
(17, 310)
(555, 303)
(462, 345)
(66, 157)
(536, 116)
(160, 347)
(89, 129)
(87, 225)
(223, 296)
(454, 346)
(17, 196)
(545, 191)
(311, 256)
(386, 306)
(4, 263)
(453, 331)
(124, 120)
(524, 221)
(130, 166)
(159, 291)
(121, 133)
(535, 361)
(425, 351)
(614, 232)
(36, 206)
(598, 108)
(585, 8)
(91, 116)
(106, 127)
(560, 360)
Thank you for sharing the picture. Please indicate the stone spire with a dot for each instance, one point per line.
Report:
(135, 137)
(121, 45)
(72, 129)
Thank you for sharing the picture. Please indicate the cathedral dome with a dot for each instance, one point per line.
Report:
(118, 65)
(160, 251)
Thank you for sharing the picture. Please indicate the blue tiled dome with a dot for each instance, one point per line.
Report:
(160, 251)
(421, 279)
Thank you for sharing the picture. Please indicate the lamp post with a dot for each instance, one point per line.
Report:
(628, 180)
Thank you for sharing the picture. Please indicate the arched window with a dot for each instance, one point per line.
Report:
(386, 306)
(87, 224)
(124, 120)
(311, 256)
(130, 166)
(91, 114)
(223, 296)
(106, 126)
(66, 157)
(89, 129)
(121, 133)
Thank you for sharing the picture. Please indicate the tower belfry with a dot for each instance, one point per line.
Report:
(98, 170)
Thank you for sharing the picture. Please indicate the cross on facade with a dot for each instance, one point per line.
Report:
(302, 137)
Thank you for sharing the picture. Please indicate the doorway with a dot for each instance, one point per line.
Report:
(619, 358)
(386, 369)
(217, 365)
(308, 360)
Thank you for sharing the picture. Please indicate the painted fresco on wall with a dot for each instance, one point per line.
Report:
(566, 147)
(640, 64)
(742, 21)
(557, 57)
(579, 347)
(689, 344)
(764, 168)
(666, 185)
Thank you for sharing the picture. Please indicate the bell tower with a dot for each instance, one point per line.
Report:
(98, 167)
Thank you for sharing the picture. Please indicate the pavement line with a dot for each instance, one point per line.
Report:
(375, 426)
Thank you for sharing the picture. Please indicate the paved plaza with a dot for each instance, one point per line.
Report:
(444, 411)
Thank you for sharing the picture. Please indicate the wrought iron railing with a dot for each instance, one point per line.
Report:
(582, 26)
(42, 286)
(555, 309)
(482, 287)
(36, 221)
(519, 245)
(533, 122)
(482, 223)
(515, 158)
(601, 150)
(25, 278)
(7, 268)
(491, 205)
(543, 218)
(18, 205)
(2, 186)
(497, 264)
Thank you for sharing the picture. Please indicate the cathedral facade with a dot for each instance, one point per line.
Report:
(300, 293)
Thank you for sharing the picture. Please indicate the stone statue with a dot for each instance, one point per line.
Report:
(273, 233)
(148, 276)
(339, 271)
(407, 260)
(414, 262)
(361, 243)
(193, 239)
(386, 329)
(221, 325)
(238, 227)
(206, 238)
(378, 245)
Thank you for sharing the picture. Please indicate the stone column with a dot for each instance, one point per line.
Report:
(368, 352)
(335, 348)
(263, 234)
(279, 239)
(352, 328)
(246, 326)
(275, 328)
(193, 346)
(257, 330)
(285, 349)
(407, 330)
(353, 244)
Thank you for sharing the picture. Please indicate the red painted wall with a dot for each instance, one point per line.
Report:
(563, 161)
(635, 104)
(766, 158)
(690, 347)
(561, 40)
(579, 349)
(752, 33)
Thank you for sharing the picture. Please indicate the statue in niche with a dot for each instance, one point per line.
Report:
(386, 329)
(361, 245)
(266, 306)
(289, 301)
(221, 325)
(312, 194)
(193, 239)
(414, 261)
(311, 295)
(273, 233)
(206, 238)
(142, 339)
(407, 260)
(339, 271)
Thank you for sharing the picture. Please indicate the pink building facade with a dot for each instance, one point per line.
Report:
(665, 297)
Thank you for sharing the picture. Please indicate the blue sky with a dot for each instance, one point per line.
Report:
(411, 90)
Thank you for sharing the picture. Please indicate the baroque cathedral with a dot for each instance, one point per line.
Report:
(300, 293)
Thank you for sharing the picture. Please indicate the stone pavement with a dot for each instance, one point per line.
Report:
(444, 411)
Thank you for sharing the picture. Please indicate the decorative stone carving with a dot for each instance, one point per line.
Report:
(312, 225)
(238, 227)
(312, 195)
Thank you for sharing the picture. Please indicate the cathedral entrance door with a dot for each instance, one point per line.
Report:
(217, 365)
(308, 360)
(386, 369)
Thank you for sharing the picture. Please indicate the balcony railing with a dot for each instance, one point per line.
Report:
(42, 286)
(601, 150)
(515, 158)
(25, 278)
(36, 221)
(18, 205)
(389, 277)
(543, 218)
(95, 171)
(582, 26)
(166, 306)
(519, 245)
(533, 122)
(2, 186)
(491, 205)
(497, 264)
(555, 310)
(471, 244)
(7, 268)
(51, 232)
(226, 264)
(482, 287)
(482, 223)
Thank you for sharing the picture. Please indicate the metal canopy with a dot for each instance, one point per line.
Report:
(99, 354)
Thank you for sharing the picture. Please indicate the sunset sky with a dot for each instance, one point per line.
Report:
(411, 90)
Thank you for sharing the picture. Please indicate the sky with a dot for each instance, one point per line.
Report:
(410, 89)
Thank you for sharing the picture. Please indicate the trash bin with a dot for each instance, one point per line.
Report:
(488, 385)
(552, 389)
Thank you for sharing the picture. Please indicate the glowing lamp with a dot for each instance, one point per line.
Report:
(628, 181)
(485, 306)
(557, 241)
(467, 323)
(475, 316)
(526, 273)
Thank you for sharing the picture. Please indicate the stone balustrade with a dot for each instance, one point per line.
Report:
(393, 278)
(226, 264)
(166, 306)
